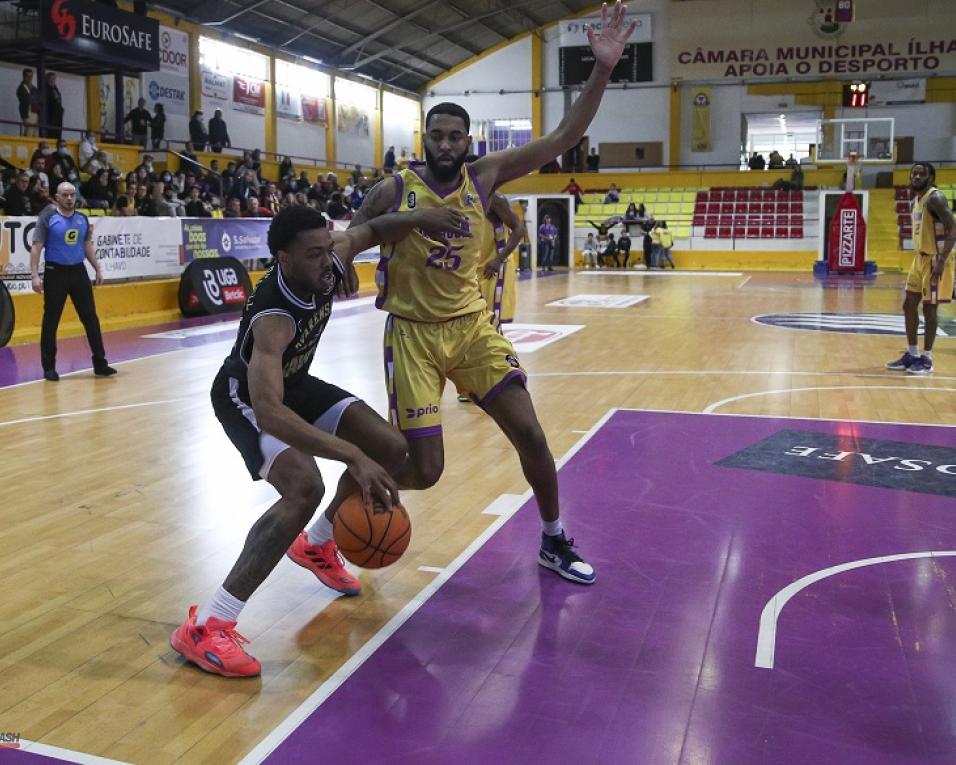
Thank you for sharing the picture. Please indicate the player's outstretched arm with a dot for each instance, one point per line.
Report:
(272, 335)
(608, 45)
(940, 210)
(436, 222)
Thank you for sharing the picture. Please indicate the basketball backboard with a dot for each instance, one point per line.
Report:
(872, 138)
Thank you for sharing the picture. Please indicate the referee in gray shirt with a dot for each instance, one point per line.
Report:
(67, 236)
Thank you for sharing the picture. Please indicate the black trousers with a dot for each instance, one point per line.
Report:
(60, 282)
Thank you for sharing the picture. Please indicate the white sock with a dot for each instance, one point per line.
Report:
(319, 532)
(928, 354)
(912, 350)
(223, 606)
(552, 528)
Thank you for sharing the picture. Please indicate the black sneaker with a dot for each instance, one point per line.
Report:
(903, 363)
(51, 375)
(557, 553)
(104, 371)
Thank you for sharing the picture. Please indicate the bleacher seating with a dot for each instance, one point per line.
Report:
(676, 206)
(749, 213)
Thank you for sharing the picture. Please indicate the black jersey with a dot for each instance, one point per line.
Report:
(273, 297)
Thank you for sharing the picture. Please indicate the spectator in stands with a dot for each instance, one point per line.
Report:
(64, 158)
(254, 162)
(356, 175)
(28, 98)
(54, 108)
(664, 240)
(168, 206)
(98, 162)
(270, 198)
(590, 253)
(246, 186)
(609, 252)
(188, 161)
(19, 201)
(39, 192)
(792, 162)
(388, 164)
(38, 168)
(139, 120)
(123, 208)
(576, 191)
(253, 210)
(301, 199)
(195, 206)
(776, 160)
(613, 195)
(218, 133)
(88, 148)
(97, 192)
(288, 199)
(623, 249)
(796, 179)
(197, 133)
(233, 208)
(158, 126)
(757, 162)
(229, 176)
(141, 202)
(57, 175)
(214, 179)
(547, 244)
(403, 160)
(594, 161)
(303, 183)
(286, 167)
(336, 209)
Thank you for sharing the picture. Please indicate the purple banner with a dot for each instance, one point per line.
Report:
(240, 238)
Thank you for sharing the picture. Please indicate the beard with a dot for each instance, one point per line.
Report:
(444, 173)
(922, 186)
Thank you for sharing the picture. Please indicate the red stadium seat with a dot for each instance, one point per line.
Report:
(698, 220)
(710, 232)
(740, 231)
(796, 208)
(796, 232)
(753, 232)
(766, 232)
(724, 232)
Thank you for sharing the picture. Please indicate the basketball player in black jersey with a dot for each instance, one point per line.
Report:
(280, 418)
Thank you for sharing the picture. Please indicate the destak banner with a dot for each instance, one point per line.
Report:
(848, 236)
(768, 39)
(100, 33)
(170, 90)
(248, 95)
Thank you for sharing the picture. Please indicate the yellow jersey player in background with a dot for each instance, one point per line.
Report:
(439, 326)
(930, 279)
(496, 268)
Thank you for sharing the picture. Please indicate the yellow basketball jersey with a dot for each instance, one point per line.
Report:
(926, 238)
(422, 279)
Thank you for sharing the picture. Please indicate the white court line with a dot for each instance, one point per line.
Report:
(717, 404)
(728, 372)
(658, 273)
(95, 411)
(744, 282)
(431, 569)
(34, 747)
(506, 504)
(788, 417)
(287, 726)
(767, 632)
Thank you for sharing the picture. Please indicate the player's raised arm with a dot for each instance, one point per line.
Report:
(436, 222)
(608, 45)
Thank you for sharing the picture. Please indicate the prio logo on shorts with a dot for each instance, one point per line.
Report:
(412, 414)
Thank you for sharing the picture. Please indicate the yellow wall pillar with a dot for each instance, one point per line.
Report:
(93, 103)
(673, 158)
(195, 77)
(330, 130)
(537, 97)
(270, 116)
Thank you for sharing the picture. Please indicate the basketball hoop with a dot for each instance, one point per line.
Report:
(853, 163)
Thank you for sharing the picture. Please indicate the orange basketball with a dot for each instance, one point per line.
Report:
(372, 537)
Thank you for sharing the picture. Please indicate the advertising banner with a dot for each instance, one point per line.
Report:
(847, 236)
(248, 95)
(315, 109)
(762, 39)
(240, 238)
(574, 31)
(101, 33)
(213, 285)
(216, 85)
(288, 103)
(702, 137)
(351, 119)
(173, 51)
(170, 90)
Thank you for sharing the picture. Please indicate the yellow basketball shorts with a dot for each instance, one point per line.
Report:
(420, 356)
(499, 294)
(920, 279)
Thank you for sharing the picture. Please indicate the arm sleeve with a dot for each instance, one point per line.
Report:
(43, 226)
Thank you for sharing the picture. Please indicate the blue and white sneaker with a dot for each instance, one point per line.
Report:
(922, 366)
(903, 363)
(557, 553)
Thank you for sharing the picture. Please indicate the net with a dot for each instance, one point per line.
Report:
(853, 163)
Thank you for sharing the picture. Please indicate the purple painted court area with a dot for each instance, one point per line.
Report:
(654, 663)
(23, 757)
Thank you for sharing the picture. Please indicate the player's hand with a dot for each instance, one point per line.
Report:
(38, 285)
(349, 283)
(98, 275)
(939, 263)
(493, 267)
(608, 45)
(440, 222)
(374, 482)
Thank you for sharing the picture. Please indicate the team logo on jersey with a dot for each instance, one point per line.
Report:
(411, 200)
(469, 199)
(72, 236)
(851, 323)
(513, 360)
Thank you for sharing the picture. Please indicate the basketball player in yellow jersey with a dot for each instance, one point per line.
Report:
(439, 326)
(497, 272)
(930, 279)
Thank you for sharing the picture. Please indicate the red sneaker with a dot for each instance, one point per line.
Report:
(325, 562)
(215, 647)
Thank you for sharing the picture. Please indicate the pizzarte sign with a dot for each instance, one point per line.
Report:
(101, 33)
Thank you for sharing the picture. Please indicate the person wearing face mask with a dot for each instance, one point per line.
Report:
(44, 153)
(88, 148)
(64, 158)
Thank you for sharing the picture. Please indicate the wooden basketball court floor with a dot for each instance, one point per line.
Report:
(123, 503)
